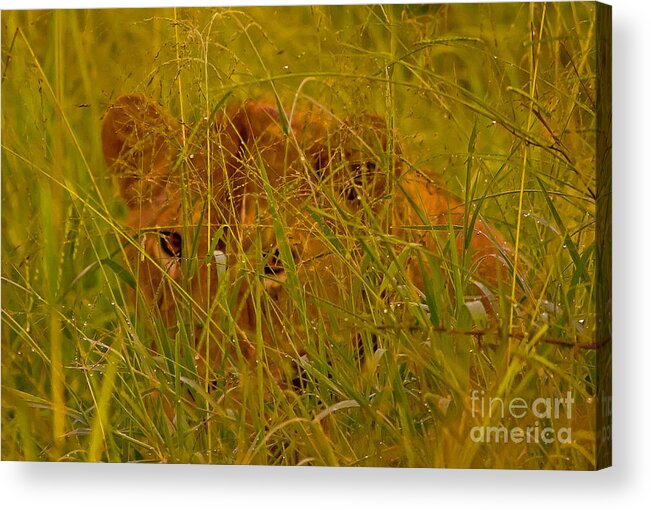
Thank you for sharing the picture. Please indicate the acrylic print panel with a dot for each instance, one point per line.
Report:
(320, 235)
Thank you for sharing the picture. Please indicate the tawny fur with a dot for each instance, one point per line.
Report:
(178, 178)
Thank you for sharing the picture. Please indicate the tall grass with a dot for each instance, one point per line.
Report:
(497, 100)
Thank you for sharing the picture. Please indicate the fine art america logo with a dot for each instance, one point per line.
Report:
(542, 412)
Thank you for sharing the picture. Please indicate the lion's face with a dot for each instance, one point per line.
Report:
(249, 224)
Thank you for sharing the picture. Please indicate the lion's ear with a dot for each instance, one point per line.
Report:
(140, 143)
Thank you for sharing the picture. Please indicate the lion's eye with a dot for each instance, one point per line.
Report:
(171, 243)
(273, 266)
(363, 167)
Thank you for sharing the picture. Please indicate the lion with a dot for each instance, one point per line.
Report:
(255, 223)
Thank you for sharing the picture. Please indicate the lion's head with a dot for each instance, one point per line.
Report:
(255, 224)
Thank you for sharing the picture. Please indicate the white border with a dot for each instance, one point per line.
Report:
(30, 485)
